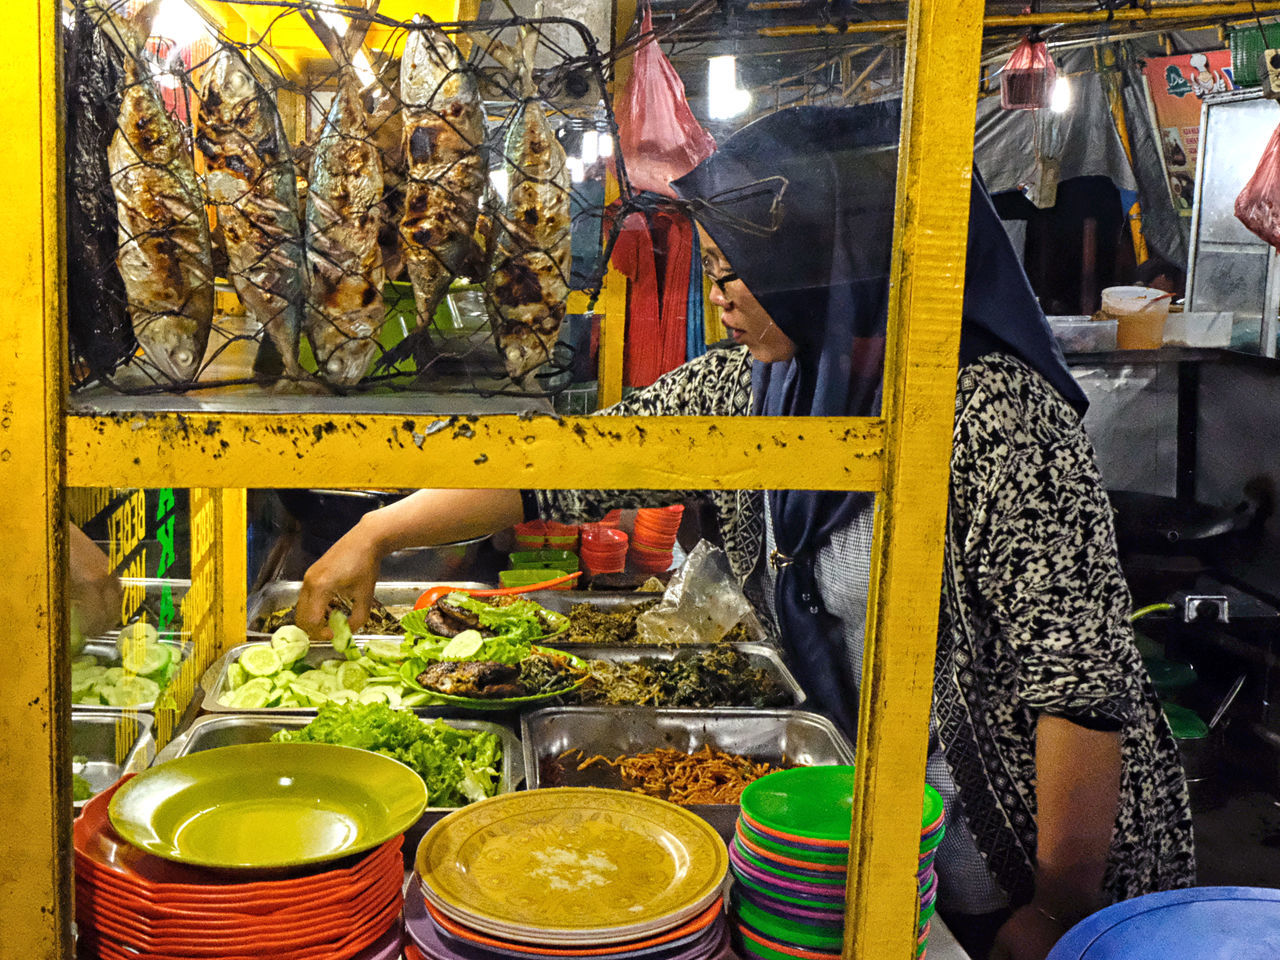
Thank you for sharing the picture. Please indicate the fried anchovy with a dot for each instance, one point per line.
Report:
(251, 178)
(100, 332)
(165, 255)
(443, 137)
(529, 276)
(344, 213)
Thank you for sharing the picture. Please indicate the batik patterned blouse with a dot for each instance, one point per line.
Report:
(1033, 616)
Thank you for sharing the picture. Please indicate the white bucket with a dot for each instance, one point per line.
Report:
(1141, 312)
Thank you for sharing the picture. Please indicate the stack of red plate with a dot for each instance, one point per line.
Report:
(131, 905)
(654, 538)
(569, 872)
(604, 549)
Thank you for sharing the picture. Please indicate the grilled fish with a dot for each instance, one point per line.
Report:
(472, 678)
(344, 214)
(251, 178)
(100, 333)
(447, 172)
(164, 254)
(529, 271)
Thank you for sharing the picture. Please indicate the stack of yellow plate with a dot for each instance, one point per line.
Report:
(570, 871)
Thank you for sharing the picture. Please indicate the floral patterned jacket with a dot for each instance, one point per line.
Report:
(1033, 618)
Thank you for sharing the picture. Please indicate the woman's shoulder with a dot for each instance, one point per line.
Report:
(999, 392)
(718, 383)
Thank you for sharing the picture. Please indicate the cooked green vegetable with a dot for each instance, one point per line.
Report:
(720, 677)
(80, 788)
(458, 766)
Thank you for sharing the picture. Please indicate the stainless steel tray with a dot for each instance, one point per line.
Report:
(562, 601)
(226, 730)
(796, 736)
(759, 655)
(213, 683)
(101, 735)
(280, 594)
(107, 650)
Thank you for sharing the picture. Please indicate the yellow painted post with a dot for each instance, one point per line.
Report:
(231, 541)
(35, 760)
(944, 39)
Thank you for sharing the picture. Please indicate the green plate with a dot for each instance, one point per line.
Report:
(415, 625)
(268, 805)
(787, 931)
(410, 669)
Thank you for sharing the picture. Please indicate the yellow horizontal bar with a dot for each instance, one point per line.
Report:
(1178, 11)
(544, 452)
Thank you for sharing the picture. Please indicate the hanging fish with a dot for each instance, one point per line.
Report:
(164, 254)
(251, 178)
(101, 337)
(528, 280)
(344, 213)
(447, 170)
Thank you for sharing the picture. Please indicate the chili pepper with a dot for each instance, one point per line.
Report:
(431, 595)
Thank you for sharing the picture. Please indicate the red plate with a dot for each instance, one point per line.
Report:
(102, 854)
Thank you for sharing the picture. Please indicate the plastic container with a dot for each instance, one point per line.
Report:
(564, 560)
(524, 576)
(1083, 334)
(1202, 923)
(1141, 313)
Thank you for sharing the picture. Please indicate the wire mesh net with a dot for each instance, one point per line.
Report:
(410, 215)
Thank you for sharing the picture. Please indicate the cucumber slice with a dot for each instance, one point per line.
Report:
(133, 640)
(113, 676)
(342, 696)
(88, 660)
(131, 691)
(308, 681)
(352, 677)
(236, 676)
(373, 695)
(254, 695)
(330, 666)
(465, 644)
(415, 699)
(283, 679)
(260, 661)
(384, 649)
(341, 630)
(148, 660)
(290, 643)
(309, 696)
(85, 680)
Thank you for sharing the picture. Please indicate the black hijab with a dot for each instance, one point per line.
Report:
(801, 204)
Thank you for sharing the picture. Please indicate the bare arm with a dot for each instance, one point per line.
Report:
(350, 566)
(94, 589)
(1077, 796)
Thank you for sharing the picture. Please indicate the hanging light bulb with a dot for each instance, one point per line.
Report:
(724, 99)
(590, 147)
(179, 24)
(1060, 99)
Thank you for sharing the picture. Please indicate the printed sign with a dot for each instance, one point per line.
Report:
(1176, 86)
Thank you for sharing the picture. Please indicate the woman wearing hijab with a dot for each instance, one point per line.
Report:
(1062, 784)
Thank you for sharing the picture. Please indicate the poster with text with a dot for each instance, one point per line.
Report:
(1176, 86)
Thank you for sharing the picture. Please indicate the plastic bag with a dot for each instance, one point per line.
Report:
(657, 132)
(702, 603)
(1026, 82)
(1258, 205)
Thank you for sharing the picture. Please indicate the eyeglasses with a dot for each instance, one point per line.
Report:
(721, 280)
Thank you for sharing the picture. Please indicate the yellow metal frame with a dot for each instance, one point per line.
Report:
(905, 456)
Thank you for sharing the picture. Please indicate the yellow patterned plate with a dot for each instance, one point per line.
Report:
(572, 865)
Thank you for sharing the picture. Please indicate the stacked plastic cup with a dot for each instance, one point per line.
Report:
(654, 538)
(604, 549)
